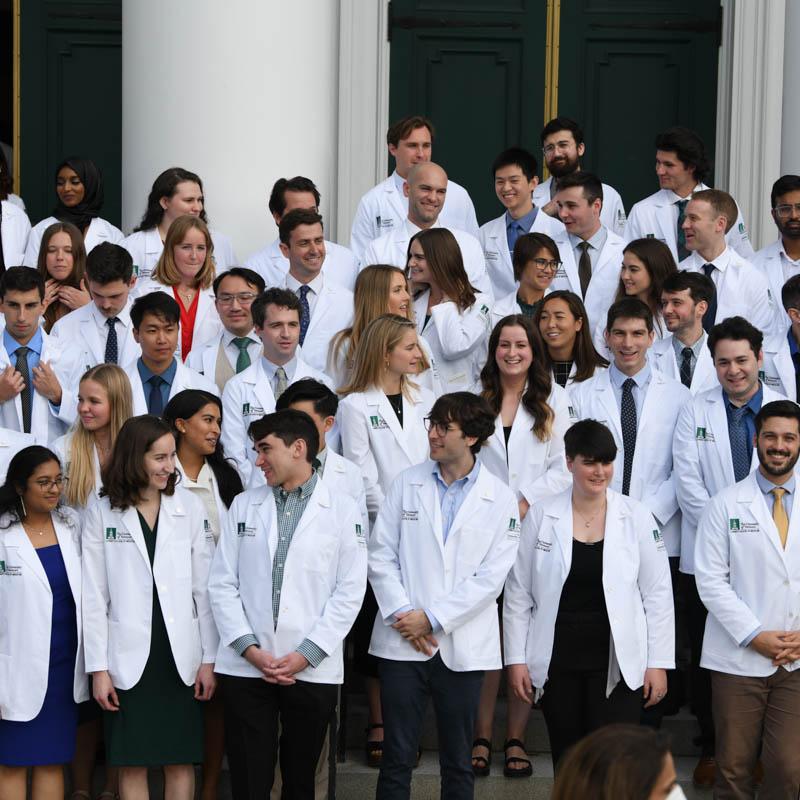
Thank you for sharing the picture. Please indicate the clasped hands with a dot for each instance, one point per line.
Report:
(276, 670)
(781, 647)
(415, 627)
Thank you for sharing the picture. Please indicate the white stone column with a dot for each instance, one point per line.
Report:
(790, 145)
(756, 110)
(241, 93)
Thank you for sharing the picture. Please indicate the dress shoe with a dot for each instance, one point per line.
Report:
(705, 771)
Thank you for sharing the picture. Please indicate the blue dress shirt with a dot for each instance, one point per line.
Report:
(167, 376)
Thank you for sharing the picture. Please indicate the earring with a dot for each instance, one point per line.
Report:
(22, 503)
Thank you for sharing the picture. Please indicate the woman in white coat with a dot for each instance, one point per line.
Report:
(382, 424)
(380, 289)
(526, 451)
(175, 192)
(451, 315)
(15, 228)
(588, 617)
(185, 271)
(150, 639)
(196, 420)
(79, 190)
(42, 677)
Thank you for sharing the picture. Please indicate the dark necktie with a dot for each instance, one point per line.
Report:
(305, 312)
(682, 251)
(741, 454)
(243, 359)
(686, 367)
(711, 312)
(584, 267)
(155, 402)
(796, 361)
(26, 395)
(514, 232)
(112, 346)
(628, 419)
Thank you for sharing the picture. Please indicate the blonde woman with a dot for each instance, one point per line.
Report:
(186, 270)
(380, 289)
(382, 424)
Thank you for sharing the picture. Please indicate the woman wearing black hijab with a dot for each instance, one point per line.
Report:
(79, 190)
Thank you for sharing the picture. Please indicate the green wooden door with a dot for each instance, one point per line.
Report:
(476, 68)
(628, 70)
(71, 96)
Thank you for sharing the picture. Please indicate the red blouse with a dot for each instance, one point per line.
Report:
(188, 318)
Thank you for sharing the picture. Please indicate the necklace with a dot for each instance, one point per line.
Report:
(38, 533)
(589, 520)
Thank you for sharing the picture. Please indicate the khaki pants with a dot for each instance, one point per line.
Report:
(320, 776)
(753, 713)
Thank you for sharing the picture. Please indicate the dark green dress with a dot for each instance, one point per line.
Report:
(159, 721)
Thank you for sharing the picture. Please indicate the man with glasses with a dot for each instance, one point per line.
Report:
(444, 541)
(563, 146)
(237, 346)
(780, 260)
(591, 253)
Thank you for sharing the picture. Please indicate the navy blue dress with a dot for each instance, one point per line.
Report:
(49, 738)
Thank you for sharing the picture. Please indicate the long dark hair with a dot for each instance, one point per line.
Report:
(20, 468)
(540, 380)
(446, 265)
(165, 185)
(124, 476)
(185, 405)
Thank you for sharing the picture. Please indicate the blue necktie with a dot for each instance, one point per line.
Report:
(155, 402)
(741, 452)
(514, 232)
(305, 312)
(682, 251)
(628, 420)
(112, 346)
(711, 311)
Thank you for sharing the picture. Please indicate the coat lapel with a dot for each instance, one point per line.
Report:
(16, 537)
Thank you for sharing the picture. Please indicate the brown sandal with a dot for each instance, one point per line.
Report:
(524, 772)
(484, 765)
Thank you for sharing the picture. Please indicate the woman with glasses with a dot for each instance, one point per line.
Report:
(42, 676)
(536, 262)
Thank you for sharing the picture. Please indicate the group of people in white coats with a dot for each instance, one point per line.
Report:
(542, 444)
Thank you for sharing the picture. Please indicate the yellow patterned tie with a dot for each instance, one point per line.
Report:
(779, 515)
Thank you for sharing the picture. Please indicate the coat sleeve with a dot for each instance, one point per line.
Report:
(362, 232)
(234, 434)
(461, 332)
(690, 485)
(95, 596)
(356, 447)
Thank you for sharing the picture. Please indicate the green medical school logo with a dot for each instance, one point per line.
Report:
(240, 528)
(246, 409)
(701, 433)
(111, 533)
(2, 567)
(512, 523)
(734, 524)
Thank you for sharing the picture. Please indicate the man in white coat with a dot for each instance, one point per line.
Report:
(325, 307)
(426, 190)
(742, 290)
(515, 179)
(237, 345)
(384, 207)
(157, 375)
(286, 583)
(340, 265)
(780, 260)
(682, 354)
(102, 330)
(563, 146)
(782, 349)
(747, 562)
(442, 546)
(681, 166)
(714, 447)
(592, 254)
(252, 393)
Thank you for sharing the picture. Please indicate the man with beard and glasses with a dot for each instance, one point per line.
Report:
(780, 260)
(563, 146)
(747, 562)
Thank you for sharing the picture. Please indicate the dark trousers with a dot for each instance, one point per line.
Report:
(575, 703)
(699, 678)
(253, 709)
(405, 688)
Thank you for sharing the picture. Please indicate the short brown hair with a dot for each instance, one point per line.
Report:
(722, 204)
(404, 127)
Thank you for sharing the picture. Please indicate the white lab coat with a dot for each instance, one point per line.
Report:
(79, 330)
(185, 378)
(383, 208)
(118, 588)
(323, 580)
(203, 358)
(533, 469)
(741, 289)
(211, 534)
(374, 441)
(458, 580)
(343, 476)
(636, 586)
(26, 607)
(392, 248)
(662, 357)
(494, 241)
(457, 339)
(769, 261)
(778, 372)
(247, 397)
(340, 265)
(702, 448)
(99, 230)
(146, 247)
(656, 217)
(745, 578)
(652, 475)
(14, 230)
(612, 214)
(11, 442)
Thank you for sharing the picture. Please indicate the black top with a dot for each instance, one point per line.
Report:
(396, 402)
(561, 370)
(582, 631)
(507, 432)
